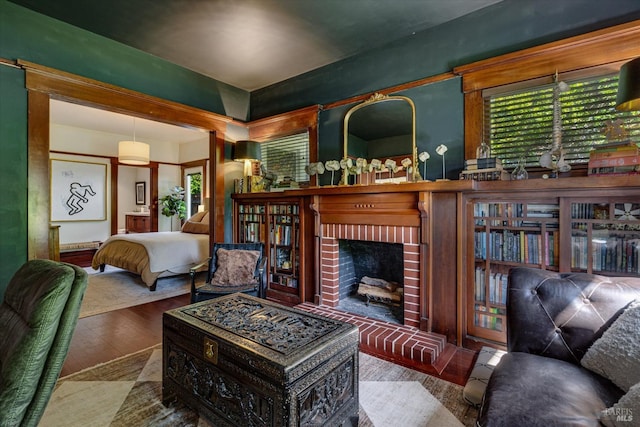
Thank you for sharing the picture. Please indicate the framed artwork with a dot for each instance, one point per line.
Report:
(141, 193)
(78, 191)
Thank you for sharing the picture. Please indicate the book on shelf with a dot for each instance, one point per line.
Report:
(614, 161)
(614, 149)
(489, 174)
(485, 163)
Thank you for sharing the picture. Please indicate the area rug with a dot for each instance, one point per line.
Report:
(116, 288)
(128, 392)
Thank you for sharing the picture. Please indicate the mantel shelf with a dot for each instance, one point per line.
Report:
(577, 184)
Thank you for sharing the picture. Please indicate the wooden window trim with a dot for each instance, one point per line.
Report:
(281, 125)
(44, 83)
(604, 49)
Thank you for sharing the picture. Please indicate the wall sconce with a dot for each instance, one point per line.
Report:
(133, 152)
(628, 98)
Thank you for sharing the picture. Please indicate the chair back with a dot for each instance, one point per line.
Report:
(39, 314)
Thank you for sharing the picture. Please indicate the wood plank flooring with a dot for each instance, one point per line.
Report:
(104, 337)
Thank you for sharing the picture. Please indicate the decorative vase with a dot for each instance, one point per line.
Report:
(519, 172)
(483, 151)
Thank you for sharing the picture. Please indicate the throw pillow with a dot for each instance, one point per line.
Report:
(197, 224)
(616, 354)
(235, 267)
(195, 227)
(626, 412)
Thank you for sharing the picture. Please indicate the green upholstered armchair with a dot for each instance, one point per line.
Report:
(37, 317)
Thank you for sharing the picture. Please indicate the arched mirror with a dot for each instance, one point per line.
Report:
(382, 127)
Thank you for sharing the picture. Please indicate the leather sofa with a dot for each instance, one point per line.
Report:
(552, 320)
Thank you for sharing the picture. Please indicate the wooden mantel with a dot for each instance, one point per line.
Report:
(437, 209)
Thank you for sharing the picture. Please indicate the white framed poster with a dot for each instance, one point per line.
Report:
(78, 191)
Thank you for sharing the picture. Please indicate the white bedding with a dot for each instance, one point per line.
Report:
(153, 255)
(169, 249)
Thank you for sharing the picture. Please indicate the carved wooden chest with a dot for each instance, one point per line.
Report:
(244, 361)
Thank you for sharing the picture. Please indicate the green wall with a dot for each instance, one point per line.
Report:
(505, 27)
(33, 37)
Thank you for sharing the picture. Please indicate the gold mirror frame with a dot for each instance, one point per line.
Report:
(377, 98)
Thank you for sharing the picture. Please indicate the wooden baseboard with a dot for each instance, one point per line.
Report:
(81, 258)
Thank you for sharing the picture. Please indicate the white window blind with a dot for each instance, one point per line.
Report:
(287, 156)
(519, 124)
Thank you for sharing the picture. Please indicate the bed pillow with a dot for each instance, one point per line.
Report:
(197, 224)
(235, 267)
(616, 354)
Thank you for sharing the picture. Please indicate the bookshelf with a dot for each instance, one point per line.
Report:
(576, 228)
(506, 234)
(279, 223)
(604, 236)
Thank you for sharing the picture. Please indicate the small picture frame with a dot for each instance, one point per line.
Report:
(141, 191)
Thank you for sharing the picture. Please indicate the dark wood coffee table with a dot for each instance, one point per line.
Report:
(244, 361)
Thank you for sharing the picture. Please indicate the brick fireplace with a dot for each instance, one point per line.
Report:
(330, 261)
(379, 217)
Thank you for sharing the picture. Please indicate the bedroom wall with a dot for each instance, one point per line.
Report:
(70, 139)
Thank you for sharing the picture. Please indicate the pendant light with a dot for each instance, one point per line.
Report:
(133, 152)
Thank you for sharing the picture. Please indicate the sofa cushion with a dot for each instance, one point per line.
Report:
(616, 354)
(531, 390)
(626, 411)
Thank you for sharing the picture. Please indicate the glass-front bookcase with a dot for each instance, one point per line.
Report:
(507, 234)
(277, 224)
(605, 236)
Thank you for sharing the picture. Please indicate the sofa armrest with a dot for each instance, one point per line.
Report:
(560, 315)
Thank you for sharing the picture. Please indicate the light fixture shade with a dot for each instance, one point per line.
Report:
(133, 153)
(629, 86)
(247, 150)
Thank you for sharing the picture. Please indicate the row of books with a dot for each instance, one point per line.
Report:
(253, 213)
(517, 246)
(497, 286)
(516, 210)
(252, 232)
(283, 209)
(486, 321)
(281, 235)
(619, 254)
(484, 169)
(621, 158)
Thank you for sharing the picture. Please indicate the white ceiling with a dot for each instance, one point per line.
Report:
(68, 114)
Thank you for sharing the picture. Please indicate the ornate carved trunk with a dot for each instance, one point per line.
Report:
(244, 361)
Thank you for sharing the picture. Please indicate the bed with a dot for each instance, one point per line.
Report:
(157, 254)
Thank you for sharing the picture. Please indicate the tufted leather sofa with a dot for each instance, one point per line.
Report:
(553, 318)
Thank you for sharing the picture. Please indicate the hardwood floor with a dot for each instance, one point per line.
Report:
(104, 337)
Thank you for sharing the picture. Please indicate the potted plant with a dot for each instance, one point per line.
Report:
(173, 204)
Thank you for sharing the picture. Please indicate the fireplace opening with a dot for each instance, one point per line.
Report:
(372, 279)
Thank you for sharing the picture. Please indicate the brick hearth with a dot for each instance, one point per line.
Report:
(404, 345)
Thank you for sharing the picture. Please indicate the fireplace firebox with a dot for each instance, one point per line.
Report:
(371, 279)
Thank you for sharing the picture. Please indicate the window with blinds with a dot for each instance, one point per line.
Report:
(287, 156)
(519, 124)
